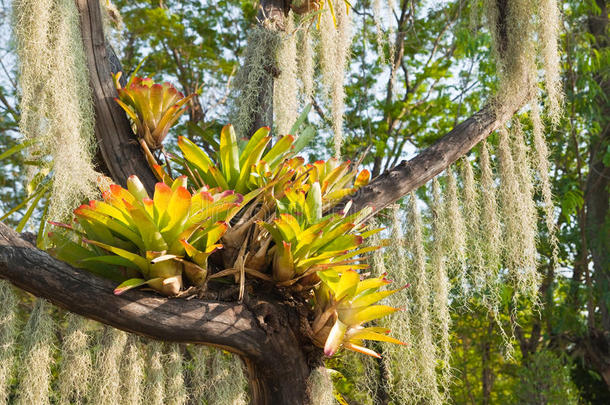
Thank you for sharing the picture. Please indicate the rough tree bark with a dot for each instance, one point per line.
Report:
(409, 175)
(264, 332)
(117, 147)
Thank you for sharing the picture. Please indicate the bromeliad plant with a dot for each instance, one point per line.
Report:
(132, 238)
(343, 303)
(319, 253)
(153, 107)
(305, 241)
(279, 233)
(250, 166)
(234, 167)
(336, 180)
(308, 243)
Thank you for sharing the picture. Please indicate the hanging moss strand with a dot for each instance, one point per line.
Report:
(8, 332)
(75, 368)
(37, 357)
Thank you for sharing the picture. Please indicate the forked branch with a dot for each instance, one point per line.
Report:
(263, 333)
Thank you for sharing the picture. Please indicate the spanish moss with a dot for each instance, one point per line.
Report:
(200, 365)
(285, 98)
(517, 244)
(254, 81)
(334, 51)
(320, 387)
(342, 51)
(174, 388)
(402, 381)
(471, 213)
(548, 31)
(328, 37)
(51, 56)
(514, 49)
(155, 387)
(106, 382)
(132, 372)
(227, 382)
(217, 377)
(75, 368)
(541, 162)
(306, 64)
(529, 279)
(378, 29)
(491, 232)
(8, 331)
(377, 265)
(456, 234)
(37, 358)
(441, 318)
(425, 362)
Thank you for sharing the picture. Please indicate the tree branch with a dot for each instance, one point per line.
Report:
(260, 331)
(120, 153)
(409, 175)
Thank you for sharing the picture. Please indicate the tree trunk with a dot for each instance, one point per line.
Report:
(597, 203)
(117, 145)
(271, 15)
(263, 331)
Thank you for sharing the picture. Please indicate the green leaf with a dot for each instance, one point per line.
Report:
(366, 314)
(17, 148)
(304, 139)
(300, 120)
(347, 285)
(138, 260)
(368, 334)
(109, 223)
(193, 154)
(252, 155)
(113, 260)
(30, 211)
(253, 144)
(278, 151)
(314, 203)
(372, 297)
(130, 284)
(229, 155)
(152, 238)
